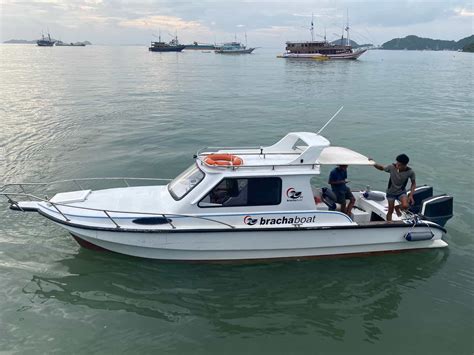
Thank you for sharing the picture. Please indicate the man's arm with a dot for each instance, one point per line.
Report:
(336, 182)
(377, 166)
(411, 200)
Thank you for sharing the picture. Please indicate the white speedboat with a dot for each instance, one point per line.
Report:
(233, 48)
(239, 204)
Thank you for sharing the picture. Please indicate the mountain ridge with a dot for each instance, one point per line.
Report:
(413, 42)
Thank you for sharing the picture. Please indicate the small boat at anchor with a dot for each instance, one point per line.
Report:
(200, 46)
(233, 48)
(45, 41)
(172, 46)
(238, 204)
(322, 50)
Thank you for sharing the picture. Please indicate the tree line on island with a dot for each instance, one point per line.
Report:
(419, 43)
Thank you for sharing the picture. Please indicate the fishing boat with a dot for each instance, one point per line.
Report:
(317, 49)
(237, 204)
(45, 41)
(172, 46)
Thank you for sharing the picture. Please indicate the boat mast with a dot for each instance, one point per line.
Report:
(311, 29)
(245, 38)
(347, 29)
(342, 36)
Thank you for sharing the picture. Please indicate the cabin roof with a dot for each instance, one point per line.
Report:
(294, 153)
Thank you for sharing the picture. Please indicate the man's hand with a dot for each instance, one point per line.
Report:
(411, 200)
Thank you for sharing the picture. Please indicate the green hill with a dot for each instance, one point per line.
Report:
(419, 43)
(468, 48)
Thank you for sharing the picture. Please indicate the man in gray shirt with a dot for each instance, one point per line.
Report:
(399, 172)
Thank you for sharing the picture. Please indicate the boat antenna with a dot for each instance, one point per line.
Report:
(311, 29)
(328, 122)
(245, 38)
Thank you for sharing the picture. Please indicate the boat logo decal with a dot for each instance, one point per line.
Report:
(250, 221)
(294, 195)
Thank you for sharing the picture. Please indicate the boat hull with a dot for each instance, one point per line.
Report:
(240, 51)
(45, 44)
(199, 47)
(258, 244)
(350, 55)
(170, 49)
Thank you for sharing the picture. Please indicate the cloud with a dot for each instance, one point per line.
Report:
(131, 21)
(464, 12)
(161, 21)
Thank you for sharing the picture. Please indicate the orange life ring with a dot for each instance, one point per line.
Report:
(223, 160)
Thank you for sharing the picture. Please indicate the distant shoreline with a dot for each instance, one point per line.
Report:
(25, 41)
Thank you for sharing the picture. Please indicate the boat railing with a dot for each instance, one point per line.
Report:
(10, 196)
(255, 151)
(78, 182)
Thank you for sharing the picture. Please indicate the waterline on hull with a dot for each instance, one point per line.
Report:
(179, 252)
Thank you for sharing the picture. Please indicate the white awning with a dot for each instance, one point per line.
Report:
(342, 156)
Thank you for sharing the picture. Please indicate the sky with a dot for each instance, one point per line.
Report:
(266, 23)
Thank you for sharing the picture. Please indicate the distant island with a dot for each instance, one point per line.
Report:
(20, 41)
(25, 41)
(419, 43)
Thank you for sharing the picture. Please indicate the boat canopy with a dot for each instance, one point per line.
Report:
(342, 156)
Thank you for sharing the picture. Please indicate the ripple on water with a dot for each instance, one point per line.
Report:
(123, 111)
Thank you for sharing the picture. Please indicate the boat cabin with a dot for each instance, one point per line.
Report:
(273, 180)
(314, 47)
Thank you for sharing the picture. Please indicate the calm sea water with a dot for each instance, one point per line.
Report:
(122, 111)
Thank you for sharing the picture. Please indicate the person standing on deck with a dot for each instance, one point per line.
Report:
(337, 180)
(399, 172)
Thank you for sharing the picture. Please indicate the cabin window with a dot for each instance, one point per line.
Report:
(185, 182)
(234, 192)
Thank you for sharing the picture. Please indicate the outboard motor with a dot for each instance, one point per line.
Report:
(437, 209)
(421, 193)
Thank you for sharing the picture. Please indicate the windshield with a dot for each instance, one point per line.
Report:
(185, 182)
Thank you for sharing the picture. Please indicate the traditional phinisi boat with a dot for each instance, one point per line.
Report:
(321, 50)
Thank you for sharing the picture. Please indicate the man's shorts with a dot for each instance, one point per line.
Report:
(394, 197)
(342, 196)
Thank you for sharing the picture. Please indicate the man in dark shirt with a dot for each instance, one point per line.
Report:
(399, 172)
(337, 180)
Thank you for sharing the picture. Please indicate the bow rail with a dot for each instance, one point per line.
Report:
(77, 182)
(56, 205)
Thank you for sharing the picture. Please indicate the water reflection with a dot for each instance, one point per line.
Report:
(322, 296)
